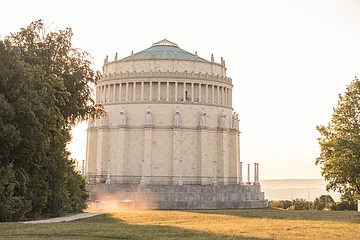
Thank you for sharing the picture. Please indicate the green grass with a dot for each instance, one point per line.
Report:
(207, 224)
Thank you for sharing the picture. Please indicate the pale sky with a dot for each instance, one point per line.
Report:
(288, 60)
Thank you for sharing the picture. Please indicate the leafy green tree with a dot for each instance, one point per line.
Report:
(44, 91)
(324, 202)
(340, 144)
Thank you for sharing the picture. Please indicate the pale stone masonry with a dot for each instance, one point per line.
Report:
(169, 119)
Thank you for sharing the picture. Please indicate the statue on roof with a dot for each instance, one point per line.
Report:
(212, 57)
(116, 57)
(196, 55)
(132, 55)
(106, 60)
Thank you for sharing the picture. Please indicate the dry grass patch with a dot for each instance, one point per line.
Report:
(216, 224)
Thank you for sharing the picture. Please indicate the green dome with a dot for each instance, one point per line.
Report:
(164, 49)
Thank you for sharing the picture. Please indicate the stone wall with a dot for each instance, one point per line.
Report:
(181, 197)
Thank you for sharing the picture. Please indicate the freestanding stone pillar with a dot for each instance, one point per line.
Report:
(255, 172)
(240, 173)
(248, 177)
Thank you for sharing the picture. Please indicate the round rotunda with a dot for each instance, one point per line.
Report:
(169, 120)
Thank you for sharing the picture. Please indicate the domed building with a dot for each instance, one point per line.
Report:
(169, 122)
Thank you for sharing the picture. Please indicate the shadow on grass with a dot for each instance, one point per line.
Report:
(104, 227)
(272, 213)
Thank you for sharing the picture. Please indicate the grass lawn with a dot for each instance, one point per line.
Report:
(207, 224)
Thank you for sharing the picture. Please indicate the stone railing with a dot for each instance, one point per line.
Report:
(159, 74)
(102, 177)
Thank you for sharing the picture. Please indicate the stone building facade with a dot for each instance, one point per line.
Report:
(169, 120)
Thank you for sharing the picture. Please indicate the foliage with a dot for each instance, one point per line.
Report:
(44, 91)
(297, 204)
(324, 202)
(340, 145)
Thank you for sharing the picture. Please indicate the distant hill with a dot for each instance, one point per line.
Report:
(309, 189)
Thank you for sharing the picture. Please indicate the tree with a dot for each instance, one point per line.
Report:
(324, 202)
(340, 145)
(44, 92)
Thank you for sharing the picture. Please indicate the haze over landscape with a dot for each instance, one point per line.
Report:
(288, 60)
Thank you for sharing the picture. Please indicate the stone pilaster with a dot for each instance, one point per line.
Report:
(147, 150)
(237, 149)
(91, 150)
(101, 144)
(120, 156)
(203, 164)
(176, 151)
(225, 155)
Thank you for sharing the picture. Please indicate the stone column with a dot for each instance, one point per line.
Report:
(114, 92)
(150, 91)
(120, 91)
(255, 173)
(230, 97)
(108, 86)
(104, 93)
(134, 91)
(240, 173)
(184, 93)
(142, 91)
(176, 90)
(192, 92)
(206, 93)
(248, 177)
(212, 94)
(167, 91)
(218, 94)
(159, 90)
(222, 95)
(127, 92)
(199, 92)
(257, 179)
(225, 97)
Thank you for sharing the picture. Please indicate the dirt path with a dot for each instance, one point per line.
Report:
(68, 218)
